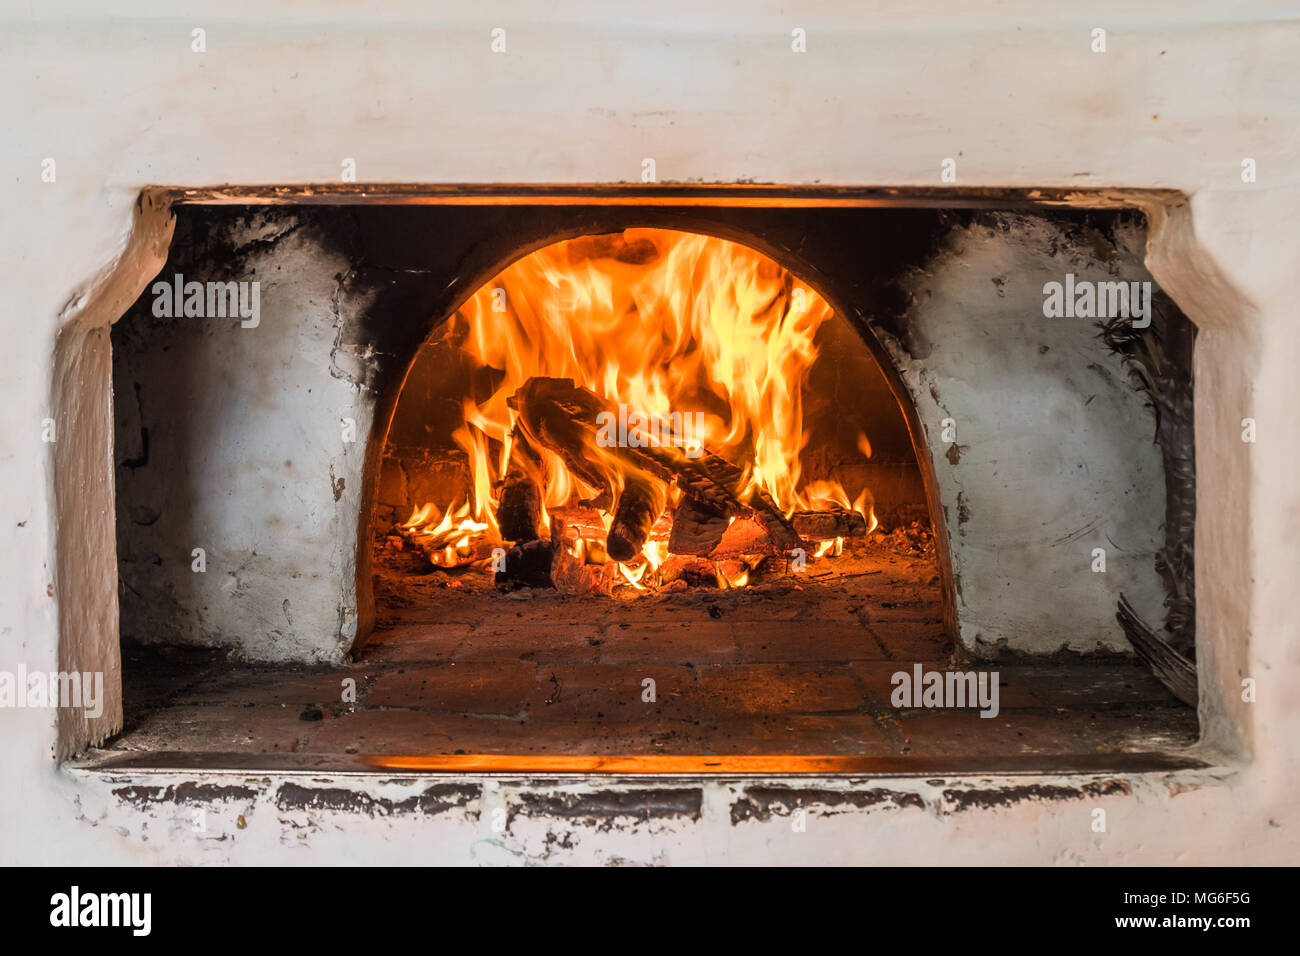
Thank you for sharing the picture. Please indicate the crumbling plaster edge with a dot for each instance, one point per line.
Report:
(81, 479)
(1222, 769)
(686, 818)
(1227, 345)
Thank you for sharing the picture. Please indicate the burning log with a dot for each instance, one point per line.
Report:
(692, 571)
(574, 522)
(520, 510)
(451, 540)
(823, 525)
(697, 527)
(732, 573)
(743, 536)
(439, 552)
(557, 414)
(639, 505)
(565, 564)
(580, 527)
(778, 529)
(574, 574)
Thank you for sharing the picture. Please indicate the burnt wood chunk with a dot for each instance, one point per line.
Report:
(744, 536)
(519, 513)
(527, 565)
(572, 574)
(778, 529)
(690, 570)
(436, 554)
(639, 505)
(824, 525)
(520, 509)
(697, 527)
(555, 413)
(577, 521)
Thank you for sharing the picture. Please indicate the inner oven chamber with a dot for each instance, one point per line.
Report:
(526, 482)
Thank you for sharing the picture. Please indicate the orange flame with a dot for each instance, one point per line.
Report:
(448, 537)
(661, 322)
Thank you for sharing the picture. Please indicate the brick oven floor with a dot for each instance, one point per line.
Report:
(782, 669)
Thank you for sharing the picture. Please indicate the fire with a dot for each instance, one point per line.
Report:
(448, 537)
(828, 495)
(676, 327)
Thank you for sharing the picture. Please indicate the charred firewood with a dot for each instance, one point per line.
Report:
(555, 413)
(639, 505)
(577, 521)
(519, 513)
(732, 572)
(697, 527)
(824, 525)
(573, 574)
(440, 550)
(573, 528)
(520, 509)
(527, 565)
(693, 571)
(744, 536)
(714, 481)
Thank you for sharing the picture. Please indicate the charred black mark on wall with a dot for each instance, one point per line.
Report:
(763, 803)
(958, 800)
(605, 808)
(435, 799)
(184, 793)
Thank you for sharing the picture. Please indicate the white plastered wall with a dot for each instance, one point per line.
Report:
(1051, 452)
(713, 94)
